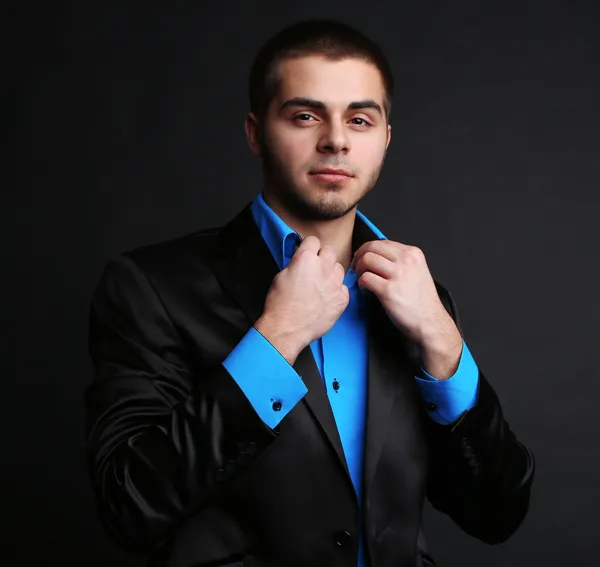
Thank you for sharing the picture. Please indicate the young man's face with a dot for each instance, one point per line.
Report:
(324, 136)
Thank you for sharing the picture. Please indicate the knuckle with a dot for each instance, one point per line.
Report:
(365, 259)
(414, 253)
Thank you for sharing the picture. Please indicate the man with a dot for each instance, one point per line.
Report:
(286, 390)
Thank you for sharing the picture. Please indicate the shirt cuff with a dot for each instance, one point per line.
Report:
(447, 400)
(265, 377)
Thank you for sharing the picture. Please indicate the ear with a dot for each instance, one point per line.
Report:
(253, 133)
(389, 136)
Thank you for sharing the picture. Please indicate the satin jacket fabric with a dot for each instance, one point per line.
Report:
(186, 472)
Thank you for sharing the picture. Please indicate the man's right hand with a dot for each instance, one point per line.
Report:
(304, 300)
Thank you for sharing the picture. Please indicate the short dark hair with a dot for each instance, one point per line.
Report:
(331, 39)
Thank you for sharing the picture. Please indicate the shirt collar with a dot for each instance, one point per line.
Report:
(279, 237)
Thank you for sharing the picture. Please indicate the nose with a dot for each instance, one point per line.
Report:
(334, 139)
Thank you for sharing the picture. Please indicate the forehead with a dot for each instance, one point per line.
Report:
(329, 81)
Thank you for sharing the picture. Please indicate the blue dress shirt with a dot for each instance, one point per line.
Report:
(341, 356)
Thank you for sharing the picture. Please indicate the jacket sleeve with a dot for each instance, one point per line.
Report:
(163, 437)
(480, 473)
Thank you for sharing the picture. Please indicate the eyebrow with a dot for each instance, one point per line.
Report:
(317, 104)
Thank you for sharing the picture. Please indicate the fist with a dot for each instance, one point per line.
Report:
(305, 299)
(399, 276)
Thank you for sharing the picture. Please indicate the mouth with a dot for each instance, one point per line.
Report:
(332, 175)
(331, 171)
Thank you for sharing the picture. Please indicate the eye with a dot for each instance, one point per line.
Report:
(360, 121)
(303, 117)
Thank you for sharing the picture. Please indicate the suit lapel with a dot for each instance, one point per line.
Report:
(390, 377)
(244, 265)
(392, 360)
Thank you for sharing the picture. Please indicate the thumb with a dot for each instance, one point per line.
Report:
(311, 243)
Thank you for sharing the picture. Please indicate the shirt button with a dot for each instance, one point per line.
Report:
(276, 406)
(336, 385)
(468, 451)
(474, 461)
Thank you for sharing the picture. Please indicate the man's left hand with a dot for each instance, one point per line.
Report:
(399, 276)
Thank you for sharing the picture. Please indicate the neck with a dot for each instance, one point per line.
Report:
(336, 233)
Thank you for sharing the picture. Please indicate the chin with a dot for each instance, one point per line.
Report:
(329, 203)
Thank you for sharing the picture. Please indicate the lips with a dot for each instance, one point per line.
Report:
(331, 171)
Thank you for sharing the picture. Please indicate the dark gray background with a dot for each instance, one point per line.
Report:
(130, 128)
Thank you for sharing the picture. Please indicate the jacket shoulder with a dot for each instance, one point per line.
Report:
(173, 255)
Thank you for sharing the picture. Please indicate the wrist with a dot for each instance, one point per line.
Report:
(285, 341)
(441, 350)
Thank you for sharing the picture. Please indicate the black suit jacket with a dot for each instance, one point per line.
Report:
(184, 469)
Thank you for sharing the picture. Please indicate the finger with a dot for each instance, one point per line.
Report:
(328, 253)
(311, 243)
(360, 252)
(372, 262)
(339, 271)
(346, 292)
(372, 282)
(385, 248)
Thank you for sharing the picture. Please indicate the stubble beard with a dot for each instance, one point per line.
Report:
(329, 206)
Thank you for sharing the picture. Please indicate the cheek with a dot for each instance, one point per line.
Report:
(292, 149)
(370, 153)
